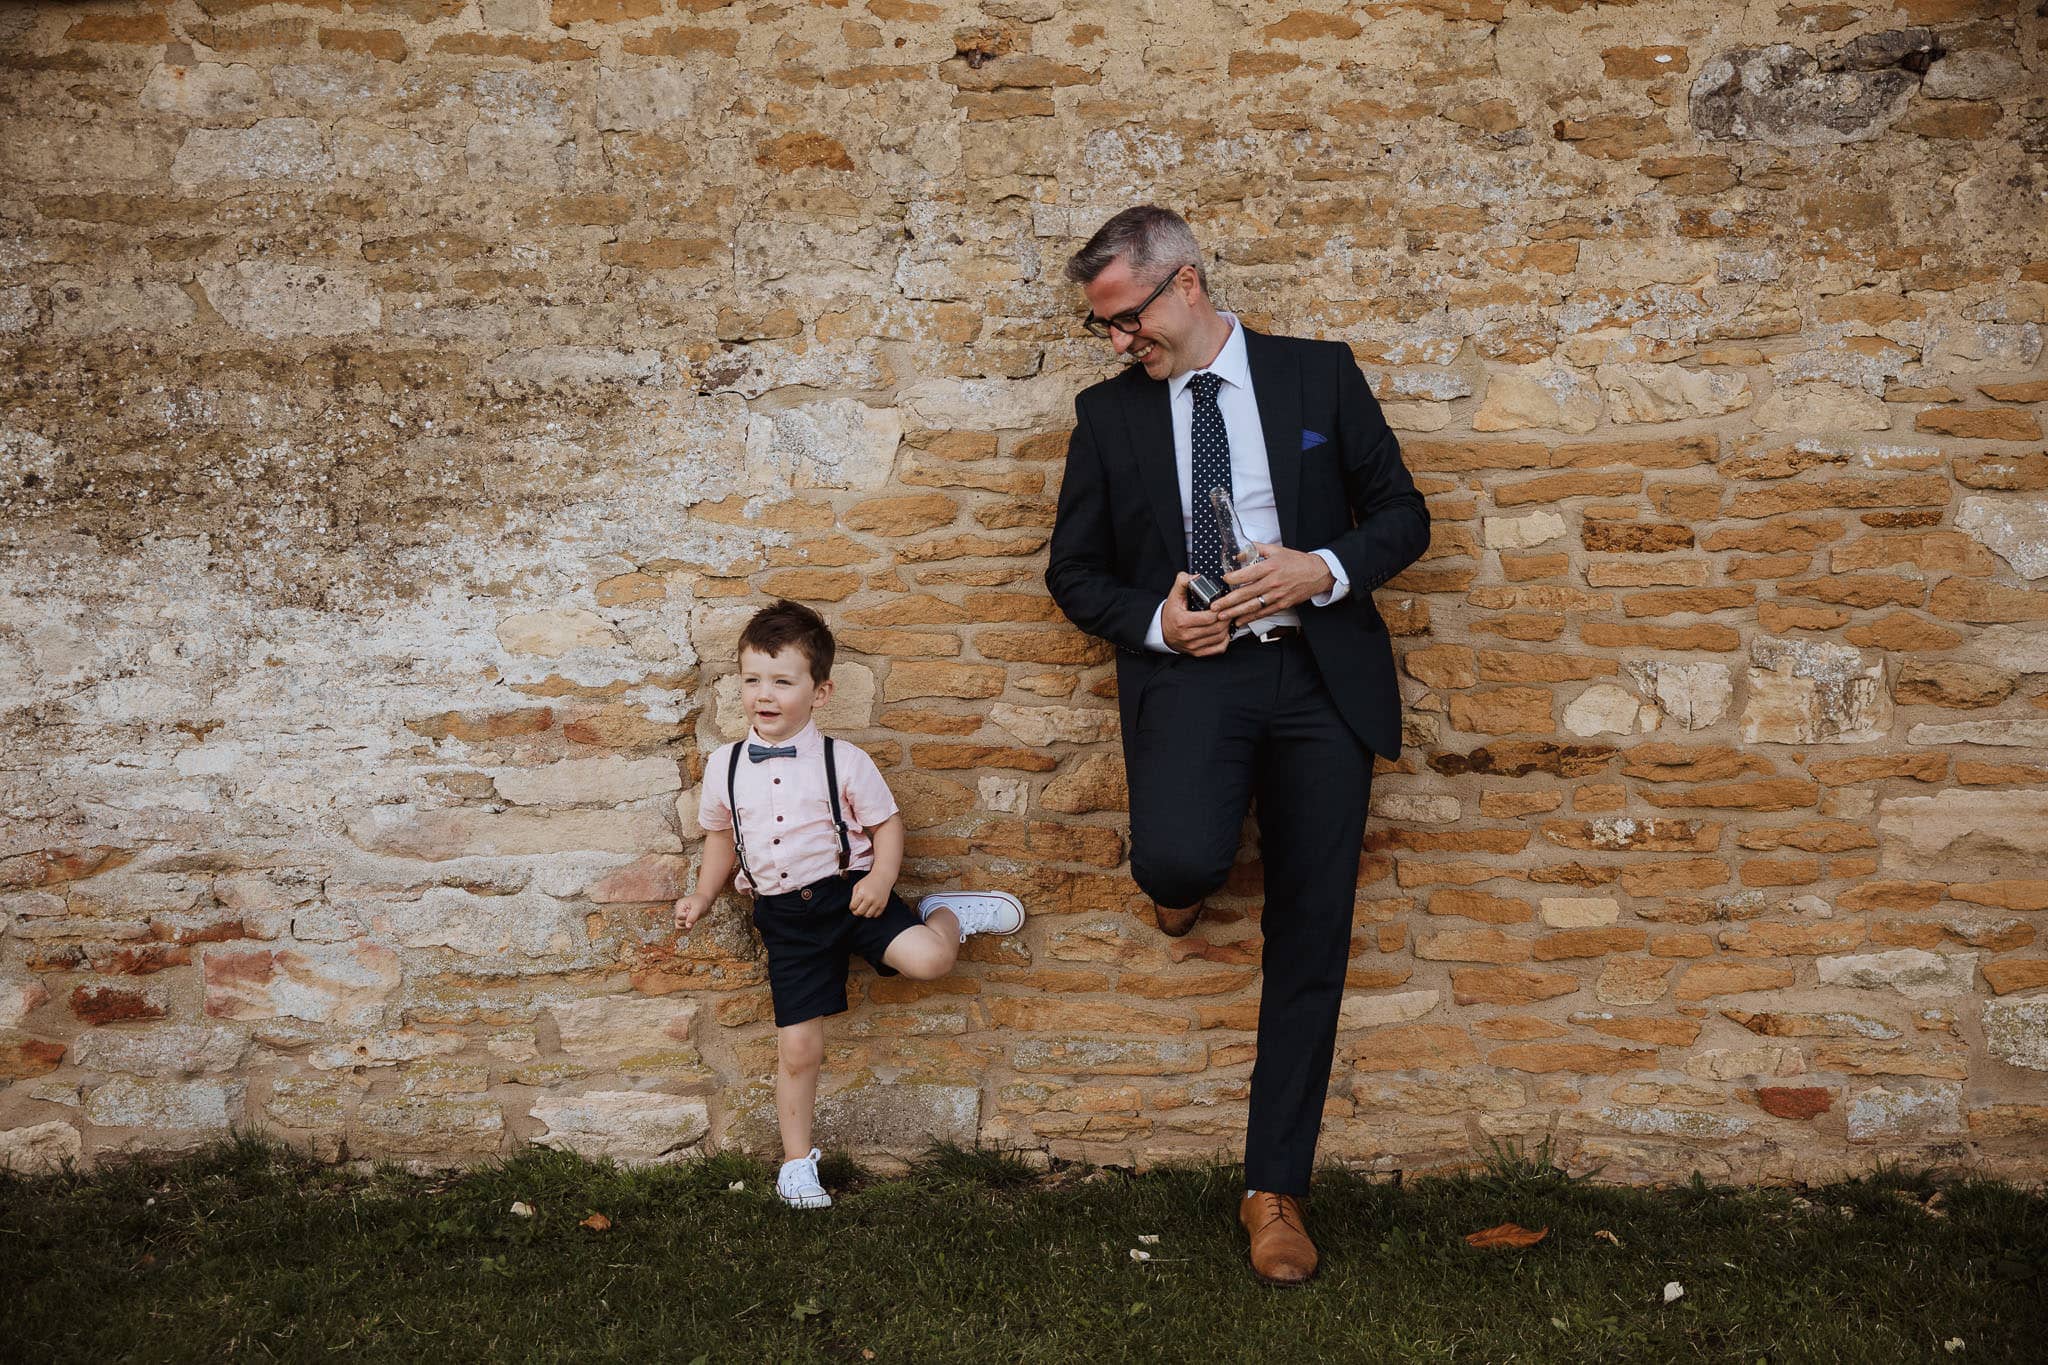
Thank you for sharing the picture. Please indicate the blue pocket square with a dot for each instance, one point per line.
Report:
(1311, 439)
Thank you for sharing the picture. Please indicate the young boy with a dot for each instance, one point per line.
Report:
(818, 841)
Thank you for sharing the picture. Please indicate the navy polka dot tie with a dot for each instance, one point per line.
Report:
(1211, 470)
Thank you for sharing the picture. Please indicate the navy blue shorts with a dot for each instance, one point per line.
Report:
(812, 934)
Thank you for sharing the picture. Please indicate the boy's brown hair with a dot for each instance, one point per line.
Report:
(785, 623)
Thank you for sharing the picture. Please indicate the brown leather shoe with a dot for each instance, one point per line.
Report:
(1175, 923)
(1281, 1251)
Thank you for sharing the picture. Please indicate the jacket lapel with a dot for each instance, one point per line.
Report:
(1276, 383)
(1145, 407)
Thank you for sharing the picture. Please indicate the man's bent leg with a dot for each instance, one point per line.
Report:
(1190, 765)
(1314, 780)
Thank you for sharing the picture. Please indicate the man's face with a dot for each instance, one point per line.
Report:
(1166, 326)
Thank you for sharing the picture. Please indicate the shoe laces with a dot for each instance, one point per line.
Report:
(1283, 1208)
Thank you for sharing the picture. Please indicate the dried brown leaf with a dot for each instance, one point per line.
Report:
(1506, 1235)
(597, 1222)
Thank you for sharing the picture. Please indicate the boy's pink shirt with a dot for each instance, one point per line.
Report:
(785, 816)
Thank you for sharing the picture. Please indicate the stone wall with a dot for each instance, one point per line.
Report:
(404, 401)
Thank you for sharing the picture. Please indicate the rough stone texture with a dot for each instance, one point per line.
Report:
(1803, 692)
(400, 425)
(624, 1125)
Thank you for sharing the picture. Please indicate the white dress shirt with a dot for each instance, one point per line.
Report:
(1251, 475)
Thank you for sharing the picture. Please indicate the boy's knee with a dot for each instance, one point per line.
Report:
(1177, 878)
(926, 958)
(800, 1053)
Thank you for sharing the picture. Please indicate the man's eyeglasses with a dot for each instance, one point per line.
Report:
(1128, 323)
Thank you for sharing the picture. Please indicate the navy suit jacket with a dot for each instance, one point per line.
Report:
(1339, 483)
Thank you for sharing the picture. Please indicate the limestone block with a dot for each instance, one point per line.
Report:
(1605, 709)
(551, 634)
(276, 300)
(269, 149)
(2016, 1031)
(1416, 808)
(193, 1108)
(613, 1025)
(1812, 691)
(1822, 408)
(2021, 649)
(1366, 1011)
(1038, 726)
(1695, 695)
(386, 1049)
(1880, 1114)
(1783, 96)
(205, 90)
(528, 924)
(1095, 783)
(170, 1050)
(560, 369)
(436, 835)
(1693, 1125)
(835, 443)
(85, 310)
(627, 1126)
(1983, 347)
(2016, 529)
(1966, 825)
(40, 1148)
(443, 1126)
(532, 153)
(642, 99)
(2012, 733)
(1670, 393)
(1546, 395)
(20, 996)
(1578, 912)
(1734, 1064)
(654, 878)
(1455, 1092)
(588, 781)
(17, 309)
(1042, 403)
(1912, 972)
(1522, 533)
(346, 984)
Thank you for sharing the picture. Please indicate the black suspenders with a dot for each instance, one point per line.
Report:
(732, 799)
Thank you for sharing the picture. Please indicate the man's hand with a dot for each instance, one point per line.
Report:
(690, 909)
(1192, 632)
(870, 895)
(1284, 578)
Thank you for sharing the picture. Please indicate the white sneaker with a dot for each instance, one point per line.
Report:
(979, 912)
(798, 1184)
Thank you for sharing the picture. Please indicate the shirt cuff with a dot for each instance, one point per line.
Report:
(1339, 590)
(1155, 634)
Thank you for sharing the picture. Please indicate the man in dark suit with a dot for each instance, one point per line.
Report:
(1283, 690)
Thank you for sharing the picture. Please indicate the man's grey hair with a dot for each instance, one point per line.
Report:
(1156, 240)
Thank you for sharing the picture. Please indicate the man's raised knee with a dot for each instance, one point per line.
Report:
(1177, 882)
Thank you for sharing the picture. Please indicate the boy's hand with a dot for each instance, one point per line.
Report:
(870, 895)
(690, 909)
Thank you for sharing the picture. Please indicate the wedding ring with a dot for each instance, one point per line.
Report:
(1262, 599)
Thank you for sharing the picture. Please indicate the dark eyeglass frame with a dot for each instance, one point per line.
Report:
(1128, 323)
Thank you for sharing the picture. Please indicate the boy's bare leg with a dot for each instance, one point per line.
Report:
(799, 1050)
(927, 951)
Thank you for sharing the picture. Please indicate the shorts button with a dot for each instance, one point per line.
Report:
(805, 893)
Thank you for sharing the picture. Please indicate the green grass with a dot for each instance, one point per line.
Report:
(252, 1252)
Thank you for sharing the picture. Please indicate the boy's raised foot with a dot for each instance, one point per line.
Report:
(979, 912)
(799, 1186)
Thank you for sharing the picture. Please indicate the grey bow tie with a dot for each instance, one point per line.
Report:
(761, 752)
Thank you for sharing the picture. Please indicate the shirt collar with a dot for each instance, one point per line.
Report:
(1230, 364)
(806, 740)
